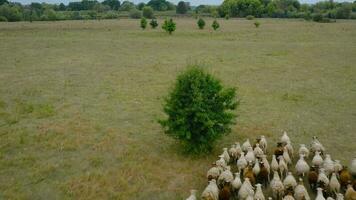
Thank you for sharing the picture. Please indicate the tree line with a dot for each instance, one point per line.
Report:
(111, 9)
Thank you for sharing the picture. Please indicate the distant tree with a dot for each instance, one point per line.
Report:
(215, 25)
(62, 7)
(182, 7)
(169, 26)
(114, 4)
(154, 23)
(160, 5)
(143, 23)
(127, 6)
(135, 14)
(147, 12)
(3, 2)
(76, 15)
(199, 110)
(101, 8)
(49, 14)
(201, 23)
(344, 11)
(11, 13)
(141, 5)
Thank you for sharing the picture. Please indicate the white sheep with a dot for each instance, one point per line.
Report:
(290, 149)
(238, 148)
(241, 162)
(316, 146)
(337, 167)
(250, 155)
(285, 139)
(263, 144)
(249, 197)
(192, 195)
(233, 152)
(277, 186)
(256, 169)
(226, 155)
(236, 183)
(330, 198)
(258, 151)
(286, 156)
(320, 195)
(282, 166)
(211, 192)
(288, 197)
(300, 192)
(266, 164)
(274, 163)
(213, 173)
(323, 178)
(334, 184)
(246, 189)
(246, 145)
(304, 150)
(221, 163)
(289, 181)
(317, 159)
(353, 167)
(259, 194)
(339, 196)
(226, 176)
(302, 166)
(328, 165)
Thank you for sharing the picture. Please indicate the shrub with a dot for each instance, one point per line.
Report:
(199, 110)
(317, 17)
(3, 19)
(135, 14)
(227, 17)
(201, 23)
(257, 24)
(169, 26)
(147, 12)
(215, 25)
(250, 17)
(153, 23)
(143, 23)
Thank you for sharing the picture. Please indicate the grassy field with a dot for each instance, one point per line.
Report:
(79, 100)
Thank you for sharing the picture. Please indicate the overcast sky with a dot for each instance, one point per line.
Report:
(192, 2)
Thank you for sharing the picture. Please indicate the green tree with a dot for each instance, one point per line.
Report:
(147, 12)
(154, 23)
(201, 23)
(199, 110)
(182, 7)
(141, 5)
(215, 25)
(169, 26)
(3, 2)
(114, 4)
(143, 23)
(135, 14)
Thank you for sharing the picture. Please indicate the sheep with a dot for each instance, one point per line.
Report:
(263, 176)
(259, 194)
(353, 167)
(236, 183)
(320, 195)
(266, 164)
(286, 156)
(282, 166)
(323, 180)
(263, 144)
(274, 163)
(225, 177)
(256, 169)
(246, 145)
(248, 173)
(233, 153)
(250, 156)
(213, 173)
(246, 189)
(337, 167)
(316, 146)
(241, 162)
(317, 159)
(249, 197)
(304, 150)
(221, 163)
(302, 166)
(290, 149)
(330, 198)
(238, 149)
(300, 192)
(289, 181)
(334, 184)
(345, 177)
(350, 193)
(313, 178)
(289, 196)
(328, 165)
(277, 186)
(258, 151)
(339, 196)
(211, 192)
(226, 155)
(279, 150)
(285, 139)
(225, 192)
(192, 195)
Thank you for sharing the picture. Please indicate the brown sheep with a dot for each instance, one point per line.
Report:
(313, 177)
(279, 150)
(345, 177)
(248, 173)
(350, 193)
(263, 176)
(225, 192)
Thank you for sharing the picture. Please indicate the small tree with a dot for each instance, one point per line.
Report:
(215, 25)
(182, 7)
(257, 24)
(143, 23)
(154, 23)
(169, 26)
(135, 14)
(201, 23)
(147, 12)
(199, 110)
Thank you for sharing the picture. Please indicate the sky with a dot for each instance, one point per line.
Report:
(192, 2)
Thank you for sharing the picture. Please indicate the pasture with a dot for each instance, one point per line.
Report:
(80, 100)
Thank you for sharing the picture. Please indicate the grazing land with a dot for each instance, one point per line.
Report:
(80, 100)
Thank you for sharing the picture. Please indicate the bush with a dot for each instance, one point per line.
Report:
(153, 23)
(317, 17)
(257, 24)
(250, 17)
(135, 14)
(201, 23)
(169, 26)
(199, 110)
(3, 19)
(182, 7)
(147, 12)
(143, 23)
(215, 25)
(227, 17)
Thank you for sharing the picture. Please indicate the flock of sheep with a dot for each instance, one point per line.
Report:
(327, 177)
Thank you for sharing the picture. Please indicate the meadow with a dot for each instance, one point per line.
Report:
(80, 100)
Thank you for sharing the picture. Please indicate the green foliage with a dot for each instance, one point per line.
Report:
(227, 16)
(182, 7)
(154, 23)
(3, 19)
(147, 12)
(250, 17)
(199, 110)
(241, 8)
(141, 5)
(3, 2)
(215, 25)
(143, 23)
(127, 6)
(257, 24)
(135, 14)
(113, 4)
(201, 23)
(169, 26)
(11, 13)
(161, 5)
